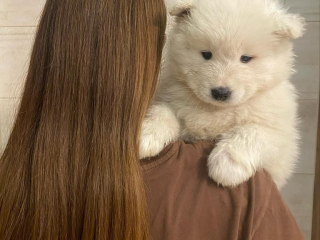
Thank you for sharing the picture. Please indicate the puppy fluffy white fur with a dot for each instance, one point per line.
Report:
(257, 125)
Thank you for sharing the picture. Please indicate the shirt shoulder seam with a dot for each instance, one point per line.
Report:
(149, 166)
(258, 222)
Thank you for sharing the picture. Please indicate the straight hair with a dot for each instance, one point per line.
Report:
(71, 167)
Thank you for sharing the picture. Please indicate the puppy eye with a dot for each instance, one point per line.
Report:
(245, 58)
(206, 55)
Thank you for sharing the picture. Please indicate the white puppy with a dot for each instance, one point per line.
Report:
(225, 75)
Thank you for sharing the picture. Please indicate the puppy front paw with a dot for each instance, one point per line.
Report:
(151, 144)
(159, 128)
(224, 170)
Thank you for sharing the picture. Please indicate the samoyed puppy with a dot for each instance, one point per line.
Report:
(225, 76)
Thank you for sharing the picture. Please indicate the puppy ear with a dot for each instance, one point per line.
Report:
(181, 8)
(290, 26)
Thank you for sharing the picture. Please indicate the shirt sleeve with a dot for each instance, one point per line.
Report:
(277, 222)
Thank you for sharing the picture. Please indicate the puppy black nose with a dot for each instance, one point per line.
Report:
(221, 94)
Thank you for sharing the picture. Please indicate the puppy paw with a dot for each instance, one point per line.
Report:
(224, 170)
(151, 143)
(159, 128)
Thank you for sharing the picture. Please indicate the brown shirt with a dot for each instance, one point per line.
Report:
(186, 204)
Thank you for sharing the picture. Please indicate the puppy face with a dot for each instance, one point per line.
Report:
(229, 51)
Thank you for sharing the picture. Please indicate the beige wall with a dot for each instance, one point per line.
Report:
(18, 20)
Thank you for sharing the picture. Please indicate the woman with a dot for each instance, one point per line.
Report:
(71, 168)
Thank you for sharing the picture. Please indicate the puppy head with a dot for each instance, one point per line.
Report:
(229, 51)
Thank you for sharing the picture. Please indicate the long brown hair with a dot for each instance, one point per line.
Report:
(70, 169)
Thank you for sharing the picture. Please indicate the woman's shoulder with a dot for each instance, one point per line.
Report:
(179, 151)
(184, 203)
(186, 155)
